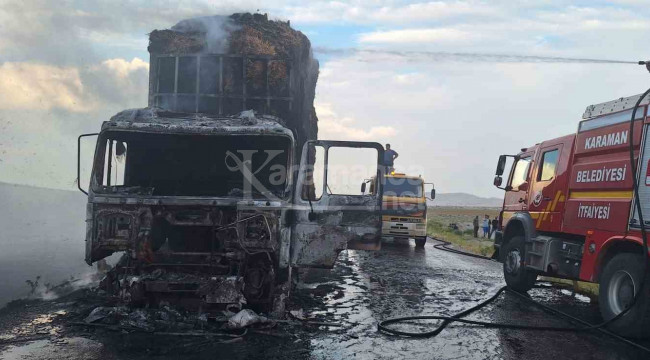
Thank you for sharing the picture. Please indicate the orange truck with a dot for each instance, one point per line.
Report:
(569, 211)
(404, 207)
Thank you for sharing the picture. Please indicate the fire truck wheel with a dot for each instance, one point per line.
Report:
(517, 277)
(419, 242)
(619, 282)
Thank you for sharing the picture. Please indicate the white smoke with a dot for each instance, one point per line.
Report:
(216, 29)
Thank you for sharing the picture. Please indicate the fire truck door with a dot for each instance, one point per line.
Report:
(330, 216)
(544, 200)
(516, 198)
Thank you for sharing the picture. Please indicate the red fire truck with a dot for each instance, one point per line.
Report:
(569, 211)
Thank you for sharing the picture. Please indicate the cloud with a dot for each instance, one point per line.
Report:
(430, 11)
(118, 82)
(123, 68)
(366, 12)
(416, 36)
(331, 126)
(35, 86)
(39, 86)
(72, 33)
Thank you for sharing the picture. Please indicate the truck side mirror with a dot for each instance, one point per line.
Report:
(498, 180)
(433, 194)
(501, 165)
(363, 187)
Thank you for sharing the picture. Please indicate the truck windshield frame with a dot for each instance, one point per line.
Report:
(520, 174)
(255, 166)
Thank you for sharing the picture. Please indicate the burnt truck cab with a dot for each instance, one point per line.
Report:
(205, 208)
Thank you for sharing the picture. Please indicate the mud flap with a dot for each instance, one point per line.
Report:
(325, 226)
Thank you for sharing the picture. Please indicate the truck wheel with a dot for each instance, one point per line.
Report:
(620, 280)
(517, 277)
(419, 242)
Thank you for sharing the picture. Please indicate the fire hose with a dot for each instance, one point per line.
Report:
(601, 327)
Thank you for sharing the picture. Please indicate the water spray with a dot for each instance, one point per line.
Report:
(466, 57)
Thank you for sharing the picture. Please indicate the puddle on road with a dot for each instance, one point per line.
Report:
(401, 282)
(70, 348)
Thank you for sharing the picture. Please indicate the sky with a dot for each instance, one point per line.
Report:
(450, 85)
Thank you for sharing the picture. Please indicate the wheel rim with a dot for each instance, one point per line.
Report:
(513, 262)
(621, 291)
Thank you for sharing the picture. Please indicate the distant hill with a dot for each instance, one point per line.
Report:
(42, 234)
(465, 200)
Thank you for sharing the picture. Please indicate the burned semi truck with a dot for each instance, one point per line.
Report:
(210, 191)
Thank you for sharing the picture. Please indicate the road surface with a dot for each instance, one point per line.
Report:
(363, 288)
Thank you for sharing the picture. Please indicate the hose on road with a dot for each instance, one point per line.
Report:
(445, 247)
(447, 320)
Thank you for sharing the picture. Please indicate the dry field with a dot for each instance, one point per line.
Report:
(439, 219)
(462, 216)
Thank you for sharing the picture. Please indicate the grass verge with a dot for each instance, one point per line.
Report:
(463, 240)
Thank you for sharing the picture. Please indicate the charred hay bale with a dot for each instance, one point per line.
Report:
(174, 42)
(290, 72)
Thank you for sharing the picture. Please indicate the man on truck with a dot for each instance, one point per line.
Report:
(568, 211)
(389, 159)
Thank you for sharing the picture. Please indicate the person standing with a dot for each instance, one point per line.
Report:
(495, 224)
(389, 158)
(476, 226)
(486, 226)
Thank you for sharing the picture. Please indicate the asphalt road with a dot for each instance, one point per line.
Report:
(363, 288)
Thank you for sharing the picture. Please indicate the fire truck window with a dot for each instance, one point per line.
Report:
(520, 174)
(549, 162)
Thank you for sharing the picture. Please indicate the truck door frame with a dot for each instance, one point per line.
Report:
(509, 205)
(325, 226)
(543, 198)
(79, 160)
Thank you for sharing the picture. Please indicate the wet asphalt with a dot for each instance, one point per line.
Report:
(363, 289)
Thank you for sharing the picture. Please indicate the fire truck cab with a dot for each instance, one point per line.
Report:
(568, 211)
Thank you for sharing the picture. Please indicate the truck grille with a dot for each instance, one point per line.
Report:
(407, 220)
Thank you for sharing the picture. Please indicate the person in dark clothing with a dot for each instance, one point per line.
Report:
(389, 158)
(475, 223)
(495, 224)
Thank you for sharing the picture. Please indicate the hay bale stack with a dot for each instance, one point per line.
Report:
(251, 35)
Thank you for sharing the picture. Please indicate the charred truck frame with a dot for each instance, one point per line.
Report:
(568, 211)
(208, 207)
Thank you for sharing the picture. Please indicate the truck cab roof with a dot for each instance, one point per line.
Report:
(567, 139)
(402, 176)
(153, 119)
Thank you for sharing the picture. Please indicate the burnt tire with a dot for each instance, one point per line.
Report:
(619, 282)
(419, 242)
(517, 277)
